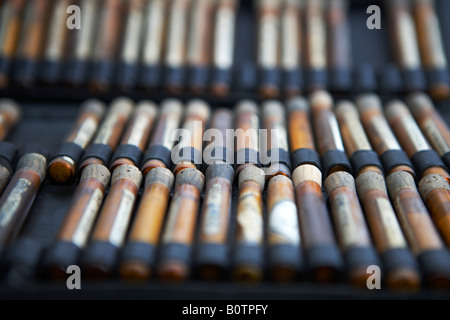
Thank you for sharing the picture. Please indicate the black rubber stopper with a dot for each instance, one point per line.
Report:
(127, 75)
(435, 76)
(76, 71)
(327, 256)
(413, 80)
(175, 77)
(61, 254)
(69, 149)
(222, 76)
(100, 151)
(198, 77)
(305, 156)
(391, 79)
(247, 76)
(393, 158)
(127, 151)
(278, 156)
(24, 71)
(244, 156)
(217, 154)
(269, 77)
(102, 72)
(293, 80)
(364, 78)
(435, 263)
(285, 255)
(334, 158)
(150, 76)
(5, 64)
(138, 251)
(364, 158)
(50, 71)
(248, 254)
(212, 254)
(425, 159)
(446, 159)
(176, 252)
(101, 254)
(361, 257)
(189, 154)
(316, 79)
(21, 260)
(398, 258)
(160, 153)
(341, 79)
(8, 153)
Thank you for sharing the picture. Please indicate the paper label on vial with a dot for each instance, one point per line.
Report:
(435, 137)
(176, 39)
(334, 127)
(12, 203)
(249, 218)
(86, 36)
(391, 226)
(384, 132)
(414, 134)
(81, 234)
(138, 131)
(171, 126)
(153, 41)
(56, 33)
(408, 44)
(85, 132)
(317, 44)
(268, 42)
(358, 134)
(223, 40)
(132, 38)
(347, 226)
(119, 228)
(283, 221)
(290, 37)
(439, 61)
(4, 20)
(211, 224)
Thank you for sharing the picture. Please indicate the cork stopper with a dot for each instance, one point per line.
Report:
(252, 173)
(339, 179)
(160, 175)
(147, 107)
(128, 172)
(419, 101)
(94, 106)
(396, 108)
(346, 109)
(297, 104)
(272, 107)
(122, 106)
(11, 108)
(321, 99)
(35, 162)
(307, 172)
(190, 176)
(174, 107)
(368, 181)
(96, 171)
(367, 102)
(246, 106)
(399, 180)
(198, 108)
(432, 182)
